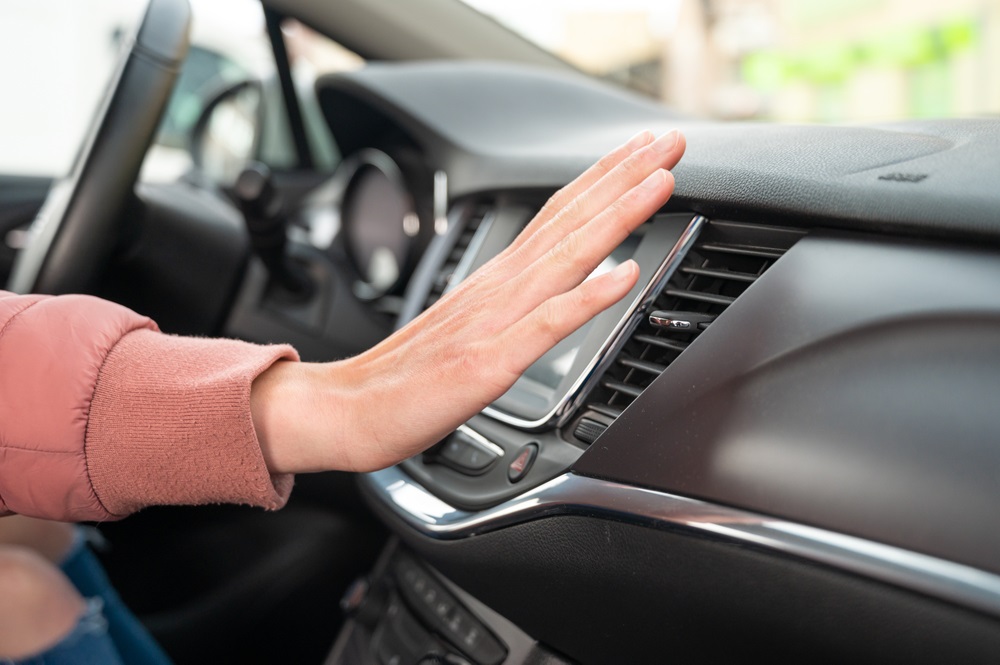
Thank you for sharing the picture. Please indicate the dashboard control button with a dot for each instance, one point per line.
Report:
(587, 430)
(443, 614)
(364, 602)
(456, 623)
(471, 637)
(522, 462)
(476, 458)
(452, 450)
(465, 454)
(355, 596)
(400, 639)
(443, 608)
(489, 651)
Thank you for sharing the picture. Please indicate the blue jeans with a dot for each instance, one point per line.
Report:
(88, 643)
(108, 633)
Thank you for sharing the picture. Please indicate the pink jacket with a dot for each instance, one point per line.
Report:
(101, 414)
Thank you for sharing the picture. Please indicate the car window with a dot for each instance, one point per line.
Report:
(204, 72)
(56, 59)
(229, 43)
(312, 55)
(786, 60)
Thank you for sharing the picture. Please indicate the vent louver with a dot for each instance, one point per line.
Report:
(447, 271)
(726, 259)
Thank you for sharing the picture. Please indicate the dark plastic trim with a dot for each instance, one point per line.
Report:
(571, 494)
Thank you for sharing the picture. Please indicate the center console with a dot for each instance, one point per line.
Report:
(406, 612)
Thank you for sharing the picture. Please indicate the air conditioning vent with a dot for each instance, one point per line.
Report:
(725, 260)
(445, 275)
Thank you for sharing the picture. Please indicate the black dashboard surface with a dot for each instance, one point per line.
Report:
(853, 387)
(498, 126)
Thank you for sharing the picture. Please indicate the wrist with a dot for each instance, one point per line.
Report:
(307, 417)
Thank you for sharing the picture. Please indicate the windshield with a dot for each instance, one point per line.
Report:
(784, 60)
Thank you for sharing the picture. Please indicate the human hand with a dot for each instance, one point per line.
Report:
(411, 390)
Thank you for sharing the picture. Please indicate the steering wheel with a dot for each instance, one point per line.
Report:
(80, 222)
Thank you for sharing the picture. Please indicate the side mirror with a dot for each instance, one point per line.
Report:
(226, 138)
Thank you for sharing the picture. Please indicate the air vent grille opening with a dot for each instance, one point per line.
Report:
(725, 260)
(447, 272)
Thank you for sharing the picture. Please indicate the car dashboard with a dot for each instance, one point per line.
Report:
(781, 443)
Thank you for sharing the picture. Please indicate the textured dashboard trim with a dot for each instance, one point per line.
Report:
(571, 494)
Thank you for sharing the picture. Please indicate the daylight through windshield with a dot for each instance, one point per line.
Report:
(788, 60)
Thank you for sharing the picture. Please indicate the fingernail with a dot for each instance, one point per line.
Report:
(639, 140)
(654, 180)
(622, 271)
(666, 142)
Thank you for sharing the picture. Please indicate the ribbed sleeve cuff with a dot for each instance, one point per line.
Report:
(170, 423)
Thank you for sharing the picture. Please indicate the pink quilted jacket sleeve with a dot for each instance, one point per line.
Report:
(101, 414)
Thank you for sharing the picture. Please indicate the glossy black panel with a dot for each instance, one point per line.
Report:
(853, 387)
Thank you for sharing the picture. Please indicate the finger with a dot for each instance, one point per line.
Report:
(577, 255)
(482, 286)
(557, 317)
(584, 182)
(665, 152)
(569, 262)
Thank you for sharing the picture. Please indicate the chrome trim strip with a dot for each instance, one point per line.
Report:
(575, 396)
(481, 440)
(476, 244)
(571, 494)
(440, 202)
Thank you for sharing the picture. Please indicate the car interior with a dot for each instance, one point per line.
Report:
(782, 444)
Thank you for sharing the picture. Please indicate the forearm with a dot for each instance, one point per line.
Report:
(170, 423)
(101, 414)
(122, 416)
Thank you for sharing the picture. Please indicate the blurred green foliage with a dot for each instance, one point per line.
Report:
(832, 63)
